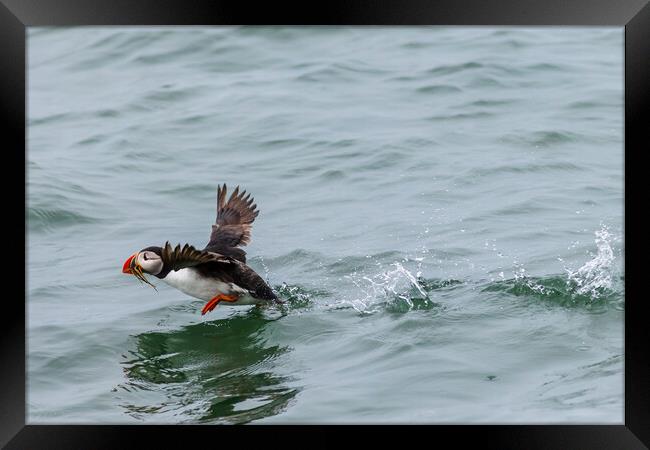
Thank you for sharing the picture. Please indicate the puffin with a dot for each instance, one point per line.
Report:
(218, 273)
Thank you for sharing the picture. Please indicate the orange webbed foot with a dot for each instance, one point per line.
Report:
(215, 301)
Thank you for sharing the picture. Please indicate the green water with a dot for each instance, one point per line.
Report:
(441, 209)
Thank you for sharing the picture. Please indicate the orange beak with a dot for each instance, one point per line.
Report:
(128, 264)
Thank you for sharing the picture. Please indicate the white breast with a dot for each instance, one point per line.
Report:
(194, 284)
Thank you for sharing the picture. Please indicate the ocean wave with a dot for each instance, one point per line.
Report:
(524, 168)
(546, 138)
(485, 81)
(486, 103)
(167, 94)
(461, 116)
(53, 118)
(454, 68)
(48, 219)
(558, 289)
(324, 75)
(438, 89)
(590, 105)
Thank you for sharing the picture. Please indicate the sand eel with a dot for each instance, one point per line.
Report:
(218, 273)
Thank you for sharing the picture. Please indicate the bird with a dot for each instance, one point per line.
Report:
(217, 273)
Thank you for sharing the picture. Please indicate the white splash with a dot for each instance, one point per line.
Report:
(595, 275)
(384, 286)
(522, 276)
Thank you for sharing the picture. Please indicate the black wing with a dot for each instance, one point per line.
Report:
(187, 256)
(234, 220)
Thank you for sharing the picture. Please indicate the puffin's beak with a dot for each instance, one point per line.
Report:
(132, 267)
(129, 263)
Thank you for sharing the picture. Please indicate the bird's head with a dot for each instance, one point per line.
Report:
(148, 260)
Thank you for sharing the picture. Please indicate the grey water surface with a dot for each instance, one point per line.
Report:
(441, 209)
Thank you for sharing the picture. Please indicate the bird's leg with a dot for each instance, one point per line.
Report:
(215, 301)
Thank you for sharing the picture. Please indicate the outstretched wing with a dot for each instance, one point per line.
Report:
(234, 219)
(187, 256)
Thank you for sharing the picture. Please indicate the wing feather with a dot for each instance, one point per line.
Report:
(187, 256)
(234, 219)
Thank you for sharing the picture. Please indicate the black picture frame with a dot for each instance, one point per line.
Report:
(16, 15)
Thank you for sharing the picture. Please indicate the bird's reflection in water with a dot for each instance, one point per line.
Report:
(210, 372)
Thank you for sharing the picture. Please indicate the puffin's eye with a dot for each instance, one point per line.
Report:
(145, 256)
